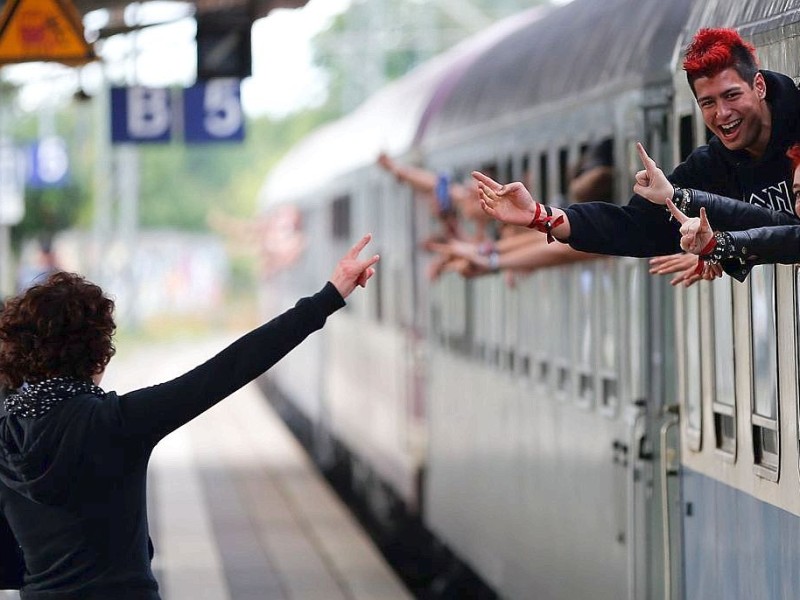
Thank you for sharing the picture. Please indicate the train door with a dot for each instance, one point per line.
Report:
(650, 390)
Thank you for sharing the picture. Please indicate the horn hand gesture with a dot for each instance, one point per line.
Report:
(696, 232)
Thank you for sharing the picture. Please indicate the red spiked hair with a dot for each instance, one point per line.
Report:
(714, 50)
(794, 155)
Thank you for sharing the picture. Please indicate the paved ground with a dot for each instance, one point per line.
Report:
(237, 510)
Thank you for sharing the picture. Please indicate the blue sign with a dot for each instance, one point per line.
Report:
(141, 115)
(212, 112)
(48, 163)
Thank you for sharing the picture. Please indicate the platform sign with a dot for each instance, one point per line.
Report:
(42, 30)
(141, 115)
(48, 163)
(212, 112)
(12, 183)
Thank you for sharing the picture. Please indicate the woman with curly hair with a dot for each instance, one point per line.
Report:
(73, 457)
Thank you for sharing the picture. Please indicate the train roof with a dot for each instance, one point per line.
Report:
(582, 46)
(751, 17)
(391, 120)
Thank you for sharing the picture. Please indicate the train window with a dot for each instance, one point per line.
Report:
(525, 175)
(584, 334)
(724, 396)
(764, 371)
(340, 218)
(692, 372)
(686, 141)
(507, 172)
(544, 177)
(609, 326)
(563, 172)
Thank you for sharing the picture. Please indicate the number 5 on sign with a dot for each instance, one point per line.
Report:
(212, 112)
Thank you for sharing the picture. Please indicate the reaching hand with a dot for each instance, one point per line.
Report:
(696, 232)
(510, 203)
(351, 271)
(651, 183)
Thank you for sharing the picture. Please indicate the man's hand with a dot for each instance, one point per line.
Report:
(510, 203)
(651, 183)
(683, 264)
(352, 271)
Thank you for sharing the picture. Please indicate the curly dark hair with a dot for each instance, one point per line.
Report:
(61, 327)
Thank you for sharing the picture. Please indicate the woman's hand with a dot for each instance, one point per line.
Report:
(696, 232)
(352, 271)
(651, 183)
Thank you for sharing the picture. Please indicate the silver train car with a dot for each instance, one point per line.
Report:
(591, 432)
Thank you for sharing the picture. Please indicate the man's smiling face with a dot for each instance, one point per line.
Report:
(735, 111)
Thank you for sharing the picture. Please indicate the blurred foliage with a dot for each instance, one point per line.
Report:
(179, 184)
(376, 41)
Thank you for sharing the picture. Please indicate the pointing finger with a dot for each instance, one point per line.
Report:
(359, 246)
(704, 224)
(649, 163)
(487, 181)
(675, 211)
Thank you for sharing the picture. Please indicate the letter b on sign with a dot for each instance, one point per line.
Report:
(140, 114)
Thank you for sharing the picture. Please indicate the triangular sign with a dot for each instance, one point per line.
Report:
(42, 30)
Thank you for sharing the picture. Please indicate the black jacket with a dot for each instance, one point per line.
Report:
(757, 235)
(72, 482)
(643, 229)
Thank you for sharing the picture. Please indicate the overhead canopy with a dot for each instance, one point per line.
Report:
(260, 7)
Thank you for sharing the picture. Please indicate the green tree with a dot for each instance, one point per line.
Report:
(376, 41)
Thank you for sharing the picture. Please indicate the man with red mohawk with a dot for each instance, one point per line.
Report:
(754, 116)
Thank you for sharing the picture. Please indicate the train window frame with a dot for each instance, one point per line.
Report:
(544, 176)
(686, 135)
(796, 299)
(341, 217)
(765, 429)
(562, 371)
(723, 413)
(563, 172)
(690, 299)
(584, 371)
(609, 378)
(541, 356)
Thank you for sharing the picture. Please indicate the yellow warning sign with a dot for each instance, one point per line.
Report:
(42, 30)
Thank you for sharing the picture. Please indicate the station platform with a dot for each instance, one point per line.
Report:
(237, 509)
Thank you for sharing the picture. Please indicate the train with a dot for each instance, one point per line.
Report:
(591, 432)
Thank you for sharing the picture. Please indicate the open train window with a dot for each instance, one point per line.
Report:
(691, 383)
(764, 414)
(544, 176)
(686, 141)
(563, 172)
(525, 175)
(340, 218)
(723, 400)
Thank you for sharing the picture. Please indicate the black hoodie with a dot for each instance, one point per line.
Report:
(72, 481)
(642, 228)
